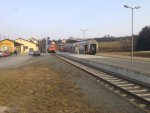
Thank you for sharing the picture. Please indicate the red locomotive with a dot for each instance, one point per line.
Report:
(52, 47)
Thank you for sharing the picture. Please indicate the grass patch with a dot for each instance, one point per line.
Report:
(145, 54)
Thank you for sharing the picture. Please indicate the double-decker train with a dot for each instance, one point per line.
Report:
(83, 47)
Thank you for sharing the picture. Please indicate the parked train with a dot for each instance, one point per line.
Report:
(91, 47)
(83, 47)
(52, 47)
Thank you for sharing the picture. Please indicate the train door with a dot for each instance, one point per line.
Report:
(86, 48)
(92, 49)
(81, 49)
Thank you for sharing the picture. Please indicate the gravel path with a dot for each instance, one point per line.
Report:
(13, 61)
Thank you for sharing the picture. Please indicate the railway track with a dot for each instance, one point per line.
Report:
(135, 93)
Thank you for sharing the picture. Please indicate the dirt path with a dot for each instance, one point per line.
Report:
(14, 61)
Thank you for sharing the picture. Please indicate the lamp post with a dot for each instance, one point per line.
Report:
(46, 45)
(132, 8)
(83, 32)
(83, 37)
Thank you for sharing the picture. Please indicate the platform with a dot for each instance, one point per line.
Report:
(138, 64)
(139, 70)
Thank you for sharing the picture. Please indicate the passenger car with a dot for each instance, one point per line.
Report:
(31, 52)
(36, 53)
(1, 54)
(6, 53)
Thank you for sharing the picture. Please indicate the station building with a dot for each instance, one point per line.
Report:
(27, 45)
(10, 45)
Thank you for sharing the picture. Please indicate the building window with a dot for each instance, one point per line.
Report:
(25, 47)
(30, 49)
(5, 48)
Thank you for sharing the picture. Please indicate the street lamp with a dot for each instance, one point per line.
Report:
(137, 7)
(83, 37)
(46, 45)
(83, 32)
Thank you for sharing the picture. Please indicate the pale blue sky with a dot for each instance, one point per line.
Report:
(64, 18)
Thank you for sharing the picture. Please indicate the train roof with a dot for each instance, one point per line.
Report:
(86, 41)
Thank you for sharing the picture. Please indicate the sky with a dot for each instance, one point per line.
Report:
(60, 19)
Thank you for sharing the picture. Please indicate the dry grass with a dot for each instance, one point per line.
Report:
(142, 54)
(38, 89)
(112, 44)
(136, 54)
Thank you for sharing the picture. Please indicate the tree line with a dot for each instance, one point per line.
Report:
(141, 41)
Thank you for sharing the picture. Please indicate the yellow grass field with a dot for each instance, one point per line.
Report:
(145, 54)
(118, 48)
(114, 44)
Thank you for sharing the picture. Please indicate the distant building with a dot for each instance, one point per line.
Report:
(63, 41)
(27, 45)
(33, 40)
(10, 45)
